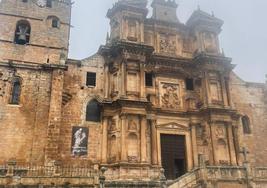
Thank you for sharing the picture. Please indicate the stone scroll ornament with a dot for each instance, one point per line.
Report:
(170, 98)
(79, 146)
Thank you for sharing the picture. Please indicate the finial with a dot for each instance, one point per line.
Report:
(198, 7)
(212, 13)
(107, 38)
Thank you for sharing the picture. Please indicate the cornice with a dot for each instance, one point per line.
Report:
(32, 65)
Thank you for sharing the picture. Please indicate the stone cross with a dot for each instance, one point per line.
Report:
(245, 153)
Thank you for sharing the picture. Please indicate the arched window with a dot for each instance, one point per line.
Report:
(246, 125)
(16, 89)
(23, 32)
(93, 111)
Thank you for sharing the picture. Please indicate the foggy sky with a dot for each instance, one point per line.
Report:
(244, 35)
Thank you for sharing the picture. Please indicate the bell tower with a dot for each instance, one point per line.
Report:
(34, 40)
(35, 31)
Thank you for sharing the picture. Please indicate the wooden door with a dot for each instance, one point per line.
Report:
(173, 155)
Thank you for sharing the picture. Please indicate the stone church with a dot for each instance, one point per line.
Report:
(158, 105)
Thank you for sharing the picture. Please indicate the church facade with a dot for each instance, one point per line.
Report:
(157, 106)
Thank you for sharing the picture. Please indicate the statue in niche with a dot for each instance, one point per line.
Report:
(113, 126)
(170, 97)
(219, 132)
(132, 125)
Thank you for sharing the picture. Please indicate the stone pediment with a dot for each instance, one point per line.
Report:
(173, 125)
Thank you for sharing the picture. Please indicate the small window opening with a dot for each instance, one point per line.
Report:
(55, 23)
(91, 79)
(16, 89)
(149, 79)
(25, 1)
(189, 82)
(246, 125)
(49, 3)
(22, 33)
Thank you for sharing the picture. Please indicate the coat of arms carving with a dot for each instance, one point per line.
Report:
(170, 96)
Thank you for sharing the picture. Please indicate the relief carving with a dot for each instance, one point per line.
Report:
(170, 96)
(167, 45)
(132, 125)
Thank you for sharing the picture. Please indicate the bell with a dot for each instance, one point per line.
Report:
(22, 34)
(22, 37)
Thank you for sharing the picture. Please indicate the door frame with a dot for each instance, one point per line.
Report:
(179, 130)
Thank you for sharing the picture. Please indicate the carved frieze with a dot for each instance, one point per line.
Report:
(170, 96)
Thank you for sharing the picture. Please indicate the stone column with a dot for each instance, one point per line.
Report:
(107, 81)
(154, 147)
(231, 145)
(206, 86)
(105, 140)
(124, 123)
(142, 81)
(224, 94)
(143, 139)
(194, 144)
(123, 79)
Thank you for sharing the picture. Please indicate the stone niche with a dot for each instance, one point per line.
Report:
(215, 89)
(133, 84)
(133, 144)
(210, 42)
(132, 30)
(221, 143)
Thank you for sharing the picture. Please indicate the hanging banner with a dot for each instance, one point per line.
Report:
(79, 146)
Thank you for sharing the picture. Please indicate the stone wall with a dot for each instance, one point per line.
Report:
(74, 111)
(248, 99)
(23, 127)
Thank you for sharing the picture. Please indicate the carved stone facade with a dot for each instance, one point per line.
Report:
(154, 77)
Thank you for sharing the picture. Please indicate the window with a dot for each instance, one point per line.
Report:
(189, 82)
(16, 89)
(49, 3)
(149, 79)
(22, 33)
(246, 125)
(25, 1)
(93, 111)
(55, 23)
(91, 79)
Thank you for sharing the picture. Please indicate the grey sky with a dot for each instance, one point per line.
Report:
(244, 35)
